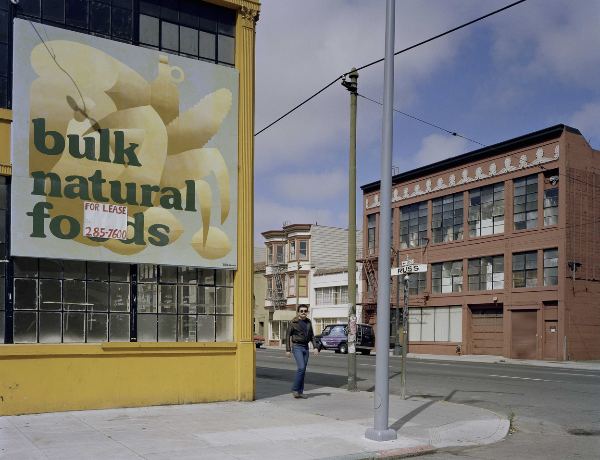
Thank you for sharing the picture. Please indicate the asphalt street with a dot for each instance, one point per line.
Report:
(557, 411)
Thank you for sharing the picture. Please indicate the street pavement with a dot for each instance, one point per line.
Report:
(557, 415)
(329, 424)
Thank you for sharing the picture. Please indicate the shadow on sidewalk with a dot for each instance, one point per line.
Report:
(398, 424)
(280, 381)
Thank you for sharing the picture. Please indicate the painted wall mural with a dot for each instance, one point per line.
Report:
(96, 120)
(465, 179)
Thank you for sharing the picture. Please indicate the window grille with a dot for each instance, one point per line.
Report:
(447, 218)
(486, 273)
(525, 269)
(526, 202)
(486, 210)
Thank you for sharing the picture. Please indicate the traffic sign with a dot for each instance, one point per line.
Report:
(414, 268)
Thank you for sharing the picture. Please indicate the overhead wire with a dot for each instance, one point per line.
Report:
(343, 76)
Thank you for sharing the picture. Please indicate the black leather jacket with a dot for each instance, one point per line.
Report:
(296, 334)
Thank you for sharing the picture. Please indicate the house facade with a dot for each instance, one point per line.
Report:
(511, 237)
(126, 202)
(306, 264)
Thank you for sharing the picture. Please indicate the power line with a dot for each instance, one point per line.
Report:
(423, 121)
(343, 76)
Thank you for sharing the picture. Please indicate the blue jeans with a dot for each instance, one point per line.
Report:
(301, 355)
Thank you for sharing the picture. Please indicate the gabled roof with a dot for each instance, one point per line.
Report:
(512, 144)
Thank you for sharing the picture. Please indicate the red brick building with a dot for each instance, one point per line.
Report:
(511, 236)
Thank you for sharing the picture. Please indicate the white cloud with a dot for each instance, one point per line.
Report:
(438, 147)
(309, 186)
(587, 120)
(324, 39)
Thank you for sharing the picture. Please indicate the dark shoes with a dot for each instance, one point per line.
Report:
(298, 395)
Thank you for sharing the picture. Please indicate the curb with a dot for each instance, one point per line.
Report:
(388, 454)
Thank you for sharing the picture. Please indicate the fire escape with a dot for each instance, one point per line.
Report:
(368, 300)
(277, 294)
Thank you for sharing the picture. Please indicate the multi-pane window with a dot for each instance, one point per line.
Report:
(447, 277)
(435, 324)
(332, 295)
(417, 282)
(486, 273)
(525, 269)
(3, 255)
(194, 29)
(303, 250)
(74, 301)
(321, 323)
(486, 210)
(526, 202)
(270, 255)
(70, 301)
(447, 218)
(292, 285)
(269, 288)
(413, 225)
(551, 206)
(292, 250)
(550, 267)
(302, 286)
(371, 227)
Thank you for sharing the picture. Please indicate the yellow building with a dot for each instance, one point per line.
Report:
(126, 205)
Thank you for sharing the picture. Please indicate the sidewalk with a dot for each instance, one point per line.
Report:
(329, 424)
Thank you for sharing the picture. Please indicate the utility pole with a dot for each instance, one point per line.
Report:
(404, 338)
(352, 87)
(381, 430)
(397, 350)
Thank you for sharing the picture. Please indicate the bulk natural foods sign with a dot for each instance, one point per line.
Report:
(121, 153)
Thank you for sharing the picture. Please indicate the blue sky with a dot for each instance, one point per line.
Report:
(527, 68)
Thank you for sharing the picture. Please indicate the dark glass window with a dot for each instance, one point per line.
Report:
(525, 269)
(551, 206)
(447, 218)
(371, 228)
(413, 225)
(417, 282)
(526, 202)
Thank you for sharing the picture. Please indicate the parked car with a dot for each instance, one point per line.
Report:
(334, 337)
(258, 341)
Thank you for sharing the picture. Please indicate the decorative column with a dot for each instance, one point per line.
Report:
(243, 299)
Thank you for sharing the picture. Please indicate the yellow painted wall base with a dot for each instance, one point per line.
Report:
(51, 378)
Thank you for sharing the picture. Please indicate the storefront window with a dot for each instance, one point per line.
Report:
(435, 324)
(76, 302)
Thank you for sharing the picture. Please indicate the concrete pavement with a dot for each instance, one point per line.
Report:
(329, 424)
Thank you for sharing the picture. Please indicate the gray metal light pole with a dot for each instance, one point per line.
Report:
(381, 430)
(404, 338)
(352, 87)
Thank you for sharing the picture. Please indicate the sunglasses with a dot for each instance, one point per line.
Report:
(303, 311)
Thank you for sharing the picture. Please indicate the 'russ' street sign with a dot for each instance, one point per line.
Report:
(151, 135)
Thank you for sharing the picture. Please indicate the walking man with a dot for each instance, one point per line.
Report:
(299, 334)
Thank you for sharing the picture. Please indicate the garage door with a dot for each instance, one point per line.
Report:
(487, 331)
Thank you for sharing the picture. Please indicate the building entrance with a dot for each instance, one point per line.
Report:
(551, 340)
(487, 335)
(524, 334)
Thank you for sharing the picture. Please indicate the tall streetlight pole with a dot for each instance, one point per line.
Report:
(381, 430)
(397, 349)
(352, 87)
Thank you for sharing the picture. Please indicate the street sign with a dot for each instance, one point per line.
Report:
(414, 268)
(408, 262)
